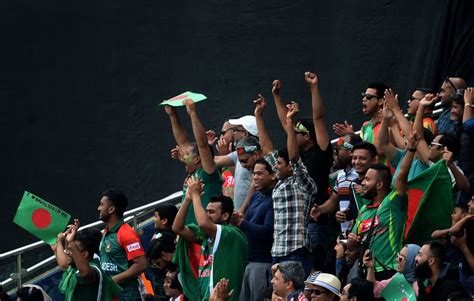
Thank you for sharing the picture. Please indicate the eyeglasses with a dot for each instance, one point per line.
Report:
(436, 144)
(368, 96)
(223, 132)
(400, 257)
(237, 130)
(412, 98)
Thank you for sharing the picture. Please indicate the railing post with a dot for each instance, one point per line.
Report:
(135, 222)
(18, 271)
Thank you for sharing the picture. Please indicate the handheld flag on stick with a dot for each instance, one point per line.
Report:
(40, 218)
(178, 101)
(430, 203)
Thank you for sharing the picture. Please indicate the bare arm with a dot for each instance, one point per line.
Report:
(207, 161)
(195, 188)
(462, 183)
(138, 266)
(265, 141)
(223, 161)
(468, 101)
(61, 257)
(322, 136)
(248, 197)
(179, 132)
(331, 205)
(280, 106)
(388, 149)
(293, 150)
(437, 234)
(391, 101)
(178, 224)
(401, 181)
(423, 148)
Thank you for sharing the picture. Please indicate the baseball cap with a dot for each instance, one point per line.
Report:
(326, 281)
(248, 122)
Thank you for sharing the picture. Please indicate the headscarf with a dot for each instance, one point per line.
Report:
(410, 264)
(46, 297)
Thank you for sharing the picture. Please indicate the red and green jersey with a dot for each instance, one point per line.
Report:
(388, 232)
(119, 246)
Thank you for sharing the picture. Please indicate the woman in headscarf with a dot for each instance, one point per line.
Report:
(406, 266)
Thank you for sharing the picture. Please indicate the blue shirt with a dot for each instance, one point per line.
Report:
(258, 226)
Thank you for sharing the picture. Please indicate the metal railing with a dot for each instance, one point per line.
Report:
(132, 215)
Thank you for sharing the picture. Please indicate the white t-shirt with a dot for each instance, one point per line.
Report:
(243, 179)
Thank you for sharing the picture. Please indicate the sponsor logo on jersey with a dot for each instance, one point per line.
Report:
(133, 247)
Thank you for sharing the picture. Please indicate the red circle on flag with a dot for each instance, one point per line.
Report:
(41, 218)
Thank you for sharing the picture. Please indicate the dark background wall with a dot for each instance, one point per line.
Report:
(81, 80)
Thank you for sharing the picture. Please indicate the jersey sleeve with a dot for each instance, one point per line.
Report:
(129, 241)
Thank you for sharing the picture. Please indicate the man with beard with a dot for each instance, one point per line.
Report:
(121, 254)
(435, 281)
(380, 224)
(446, 123)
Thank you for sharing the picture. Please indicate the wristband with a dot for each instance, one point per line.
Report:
(469, 105)
(413, 150)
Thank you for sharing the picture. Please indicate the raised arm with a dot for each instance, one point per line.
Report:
(178, 224)
(293, 150)
(179, 132)
(265, 141)
(207, 161)
(423, 148)
(85, 270)
(280, 106)
(468, 102)
(388, 148)
(462, 183)
(61, 257)
(401, 181)
(391, 101)
(196, 189)
(322, 136)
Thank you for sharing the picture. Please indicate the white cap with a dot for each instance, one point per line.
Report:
(328, 282)
(248, 122)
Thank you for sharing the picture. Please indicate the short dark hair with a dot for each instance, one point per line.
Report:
(463, 206)
(451, 142)
(383, 173)
(283, 153)
(167, 211)
(118, 199)
(90, 240)
(165, 243)
(227, 204)
(459, 99)
(292, 271)
(362, 289)
(29, 293)
(267, 165)
(380, 87)
(459, 296)
(367, 146)
(428, 135)
(437, 251)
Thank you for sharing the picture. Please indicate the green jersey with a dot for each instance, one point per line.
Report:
(388, 231)
(212, 187)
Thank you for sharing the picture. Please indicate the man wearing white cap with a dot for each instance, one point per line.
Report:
(244, 130)
(325, 287)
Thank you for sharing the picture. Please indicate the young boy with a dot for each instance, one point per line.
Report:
(459, 213)
(164, 218)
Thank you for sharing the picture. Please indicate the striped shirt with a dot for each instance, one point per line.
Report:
(291, 201)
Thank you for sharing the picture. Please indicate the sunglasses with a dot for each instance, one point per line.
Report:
(412, 98)
(316, 292)
(436, 144)
(400, 257)
(368, 96)
(223, 132)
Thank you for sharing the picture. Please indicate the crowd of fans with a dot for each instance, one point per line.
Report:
(309, 221)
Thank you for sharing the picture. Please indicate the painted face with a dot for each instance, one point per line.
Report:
(436, 149)
(369, 184)
(401, 259)
(214, 212)
(457, 110)
(262, 178)
(361, 160)
(370, 102)
(190, 159)
(105, 209)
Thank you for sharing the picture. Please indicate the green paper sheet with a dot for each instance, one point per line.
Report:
(177, 101)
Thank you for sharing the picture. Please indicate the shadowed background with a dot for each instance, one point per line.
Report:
(80, 81)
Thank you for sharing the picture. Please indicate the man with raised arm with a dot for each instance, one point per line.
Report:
(380, 224)
(223, 247)
(316, 153)
(291, 195)
(196, 156)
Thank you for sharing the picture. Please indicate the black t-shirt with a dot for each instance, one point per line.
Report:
(318, 163)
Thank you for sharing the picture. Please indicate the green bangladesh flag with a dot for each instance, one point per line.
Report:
(430, 203)
(178, 101)
(398, 289)
(40, 218)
